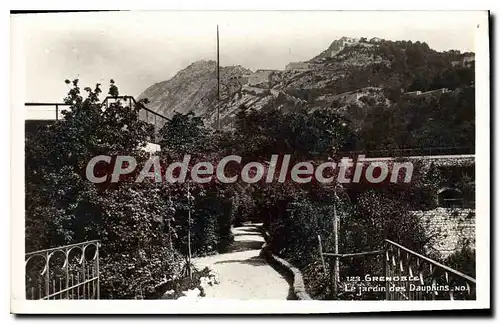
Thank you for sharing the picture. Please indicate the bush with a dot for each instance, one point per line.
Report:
(464, 260)
(135, 250)
(210, 209)
(63, 207)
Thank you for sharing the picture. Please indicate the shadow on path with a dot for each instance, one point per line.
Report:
(254, 261)
(244, 273)
(239, 246)
(258, 261)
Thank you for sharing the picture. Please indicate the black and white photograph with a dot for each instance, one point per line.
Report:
(196, 159)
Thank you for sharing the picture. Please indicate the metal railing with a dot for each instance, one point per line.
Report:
(56, 110)
(65, 272)
(407, 275)
(405, 152)
(427, 279)
(145, 114)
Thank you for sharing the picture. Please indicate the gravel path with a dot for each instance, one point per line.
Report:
(243, 274)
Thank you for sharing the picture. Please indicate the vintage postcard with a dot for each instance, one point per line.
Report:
(250, 162)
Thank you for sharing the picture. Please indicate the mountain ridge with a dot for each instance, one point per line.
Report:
(348, 64)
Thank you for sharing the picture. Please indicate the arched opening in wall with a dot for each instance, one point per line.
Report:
(450, 197)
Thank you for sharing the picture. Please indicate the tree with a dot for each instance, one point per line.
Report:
(184, 134)
(304, 135)
(64, 207)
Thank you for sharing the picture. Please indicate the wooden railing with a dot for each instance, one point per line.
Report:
(65, 272)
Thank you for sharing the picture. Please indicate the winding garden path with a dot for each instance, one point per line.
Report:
(243, 274)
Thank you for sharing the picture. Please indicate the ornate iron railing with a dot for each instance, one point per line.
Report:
(65, 272)
(407, 275)
(427, 279)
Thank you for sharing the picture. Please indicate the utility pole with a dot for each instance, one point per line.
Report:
(218, 82)
(336, 242)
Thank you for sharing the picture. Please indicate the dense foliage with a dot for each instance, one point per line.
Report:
(404, 65)
(295, 214)
(445, 121)
(141, 226)
(148, 229)
(439, 120)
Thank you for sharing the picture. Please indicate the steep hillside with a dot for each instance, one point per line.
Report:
(338, 78)
(193, 89)
(335, 47)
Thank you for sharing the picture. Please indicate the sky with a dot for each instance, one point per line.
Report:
(138, 49)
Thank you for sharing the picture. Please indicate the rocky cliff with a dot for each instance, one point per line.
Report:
(193, 89)
(336, 47)
(338, 78)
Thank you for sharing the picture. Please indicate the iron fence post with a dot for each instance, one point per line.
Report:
(97, 266)
(386, 271)
(47, 275)
(332, 278)
(83, 272)
(67, 273)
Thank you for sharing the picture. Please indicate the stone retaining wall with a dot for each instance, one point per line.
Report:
(450, 227)
(295, 275)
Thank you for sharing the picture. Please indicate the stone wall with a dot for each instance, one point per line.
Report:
(465, 160)
(299, 66)
(257, 77)
(449, 227)
(354, 96)
(294, 274)
(428, 93)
